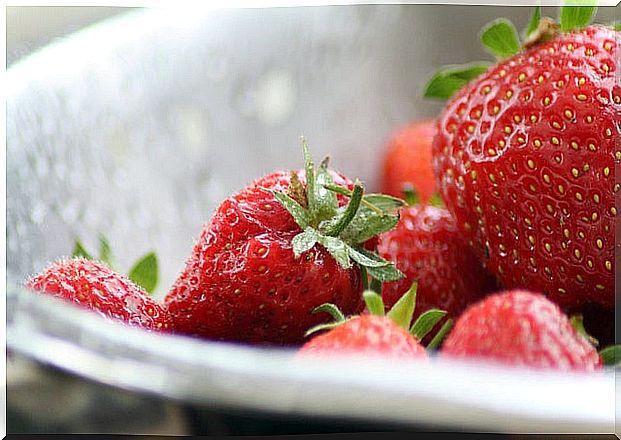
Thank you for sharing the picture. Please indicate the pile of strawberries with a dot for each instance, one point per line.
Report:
(513, 268)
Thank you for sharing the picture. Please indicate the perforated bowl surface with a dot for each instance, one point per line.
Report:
(136, 128)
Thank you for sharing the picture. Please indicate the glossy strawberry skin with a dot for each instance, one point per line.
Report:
(96, 287)
(408, 161)
(368, 336)
(428, 248)
(525, 159)
(242, 281)
(520, 328)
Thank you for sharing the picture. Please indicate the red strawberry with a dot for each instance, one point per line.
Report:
(95, 286)
(520, 328)
(525, 158)
(367, 335)
(266, 259)
(428, 248)
(375, 334)
(408, 161)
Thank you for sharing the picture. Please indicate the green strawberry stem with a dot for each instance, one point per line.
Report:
(376, 285)
(349, 213)
(546, 30)
(346, 192)
(410, 195)
(577, 321)
(342, 231)
(364, 275)
(310, 174)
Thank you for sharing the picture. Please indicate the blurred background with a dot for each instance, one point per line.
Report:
(31, 27)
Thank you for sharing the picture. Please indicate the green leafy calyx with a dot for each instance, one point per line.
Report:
(341, 230)
(448, 80)
(576, 14)
(401, 314)
(501, 39)
(144, 272)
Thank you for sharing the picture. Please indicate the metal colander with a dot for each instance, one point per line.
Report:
(138, 127)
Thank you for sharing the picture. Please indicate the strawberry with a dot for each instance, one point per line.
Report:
(520, 328)
(367, 335)
(525, 157)
(278, 249)
(407, 161)
(97, 287)
(428, 248)
(375, 334)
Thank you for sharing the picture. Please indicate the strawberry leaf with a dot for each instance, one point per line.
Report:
(105, 251)
(444, 83)
(617, 26)
(80, 252)
(576, 14)
(332, 310)
(533, 24)
(299, 214)
(365, 261)
(337, 248)
(401, 313)
(611, 356)
(439, 337)
(374, 302)
(363, 226)
(425, 323)
(321, 327)
(325, 201)
(145, 272)
(382, 273)
(385, 273)
(500, 38)
(304, 241)
(385, 203)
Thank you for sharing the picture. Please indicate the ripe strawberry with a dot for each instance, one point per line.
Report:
(520, 328)
(407, 162)
(276, 250)
(375, 334)
(95, 286)
(429, 249)
(524, 158)
(367, 335)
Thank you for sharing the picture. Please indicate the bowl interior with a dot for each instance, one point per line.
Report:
(138, 127)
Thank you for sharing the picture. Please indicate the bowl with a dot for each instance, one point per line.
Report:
(137, 127)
